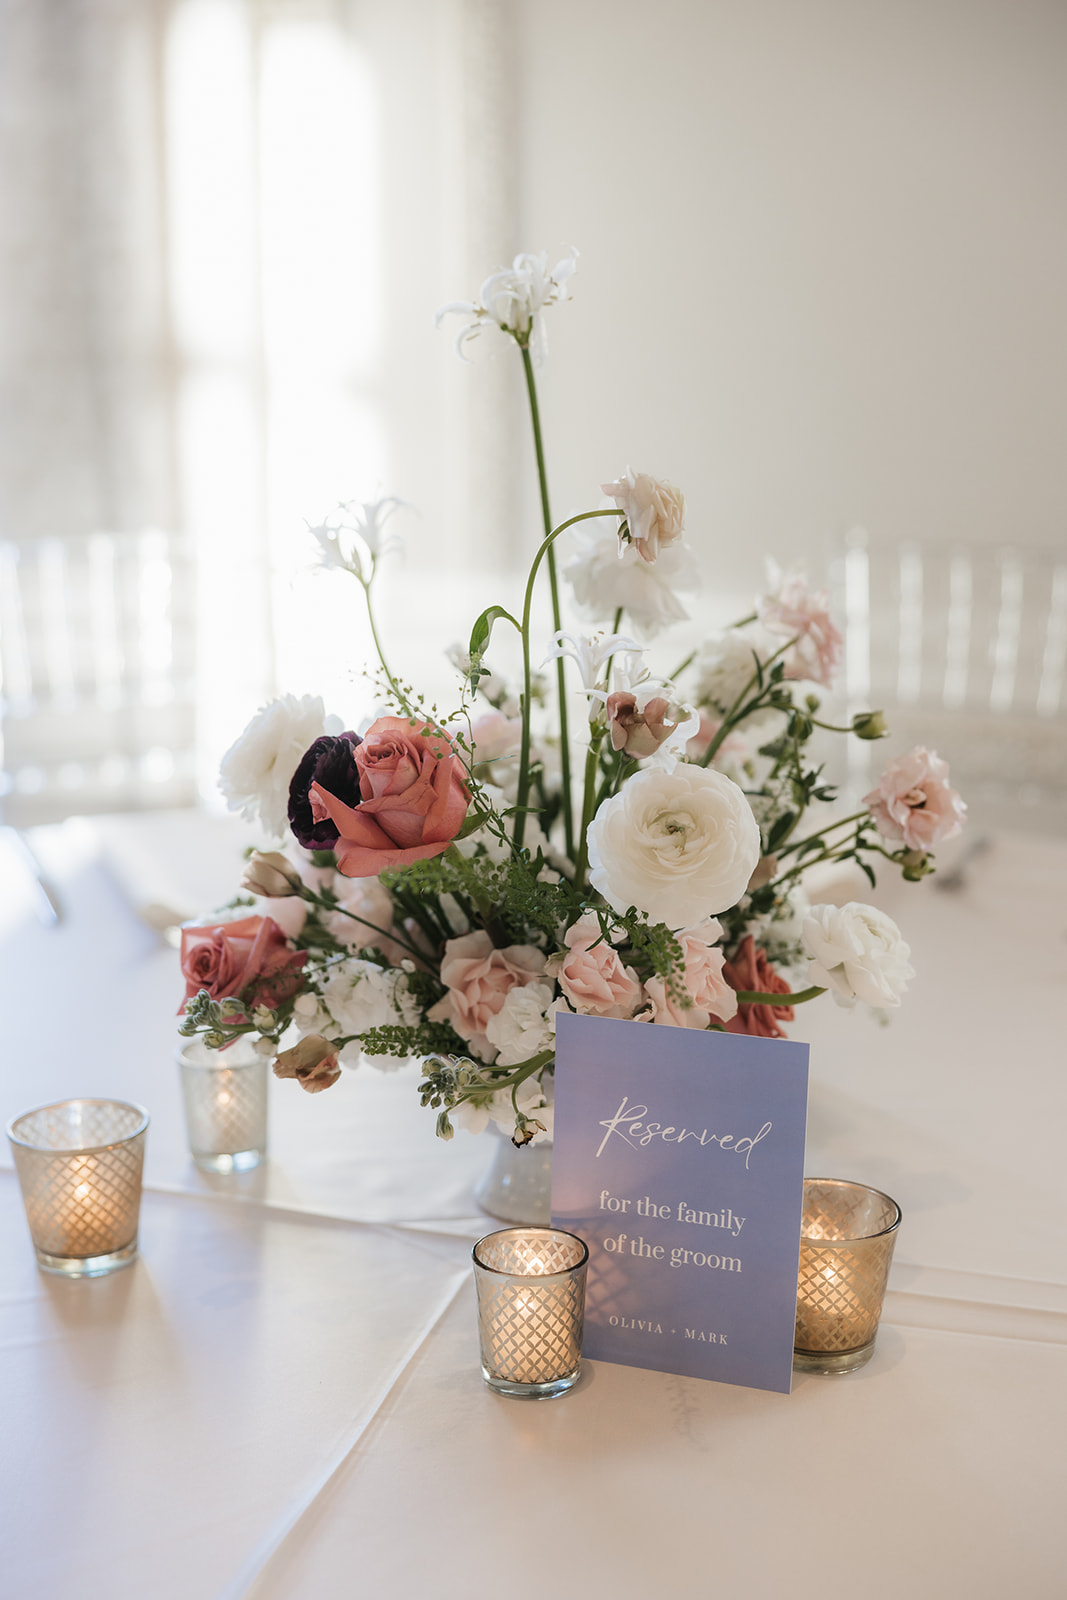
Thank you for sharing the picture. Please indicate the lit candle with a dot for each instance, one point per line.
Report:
(846, 1246)
(531, 1309)
(79, 1164)
(225, 1097)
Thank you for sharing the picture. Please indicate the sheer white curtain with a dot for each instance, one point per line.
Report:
(224, 228)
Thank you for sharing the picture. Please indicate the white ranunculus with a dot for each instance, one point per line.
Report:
(725, 666)
(525, 1024)
(857, 952)
(257, 769)
(654, 511)
(678, 845)
(606, 579)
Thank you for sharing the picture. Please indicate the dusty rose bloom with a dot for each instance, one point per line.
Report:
(478, 978)
(638, 733)
(913, 803)
(750, 970)
(414, 799)
(313, 1063)
(593, 977)
(795, 611)
(705, 984)
(249, 960)
(654, 511)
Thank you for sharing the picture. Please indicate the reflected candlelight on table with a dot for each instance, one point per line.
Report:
(846, 1246)
(79, 1165)
(531, 1310)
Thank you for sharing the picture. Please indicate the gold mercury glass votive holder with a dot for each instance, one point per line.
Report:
(531, 1310)
(846, 1246)
(79, 1165)
(225, 1096)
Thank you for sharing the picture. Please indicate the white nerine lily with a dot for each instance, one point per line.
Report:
(592, 652)
(514, 298)
(354, 540)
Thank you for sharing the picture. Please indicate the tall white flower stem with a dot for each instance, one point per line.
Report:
(523, 787)
(553, 584)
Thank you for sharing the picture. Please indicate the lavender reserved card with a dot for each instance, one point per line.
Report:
(679, 1157)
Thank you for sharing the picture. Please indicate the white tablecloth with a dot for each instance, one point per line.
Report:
(282, 1397)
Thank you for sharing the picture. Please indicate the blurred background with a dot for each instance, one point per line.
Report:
(823, 253)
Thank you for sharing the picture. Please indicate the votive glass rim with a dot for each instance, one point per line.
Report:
(851, 1238)
(534, 1277)
(78, 1149)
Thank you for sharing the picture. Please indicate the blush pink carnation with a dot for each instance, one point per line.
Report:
(479, 978)
(414, 799)
(913, 803)
(794, 611)
(703, 980)
(593, 977)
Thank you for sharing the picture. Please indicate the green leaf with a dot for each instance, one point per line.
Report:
(779, 830)
(483, 628)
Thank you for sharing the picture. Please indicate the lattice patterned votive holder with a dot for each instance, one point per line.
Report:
(225, 1095)
(847, 1237)
(79, 1165)
(531, 1310)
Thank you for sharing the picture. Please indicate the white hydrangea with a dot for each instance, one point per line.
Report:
(606, 578)
(359, 995)
(524, 1025)
(257, 769)
(725, 666)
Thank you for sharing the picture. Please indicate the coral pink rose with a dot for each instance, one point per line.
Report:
(249, 960)
(592, 976)
(913, 803)
(703, 979)
(795, 612)
(479, 978)
(414, 799)
(750, 970)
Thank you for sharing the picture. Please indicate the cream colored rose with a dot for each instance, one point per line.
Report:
(858, 953)
(680, 846)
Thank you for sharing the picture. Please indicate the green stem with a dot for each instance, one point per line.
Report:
(818, 834)
(728, 720)
(752, 997)
(397, 938)
(377, 642)
(592, 770)
(553, 584)
(523, 787)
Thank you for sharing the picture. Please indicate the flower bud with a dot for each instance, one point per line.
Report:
(313, 1063)
(914, 864)
(869, 725)
(271, 875)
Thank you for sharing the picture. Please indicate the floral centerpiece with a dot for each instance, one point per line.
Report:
(614, 841)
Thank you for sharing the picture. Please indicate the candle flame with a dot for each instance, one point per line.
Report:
(81, 1191)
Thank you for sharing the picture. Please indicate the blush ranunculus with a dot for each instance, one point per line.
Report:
(249, 960)
(414, 799)
(750, 970)
(913, 803)
(705, 984)
(593, 977)
(478, 978)
(654, 511)
(796, 612)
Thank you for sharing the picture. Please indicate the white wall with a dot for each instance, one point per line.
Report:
(823, 261)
